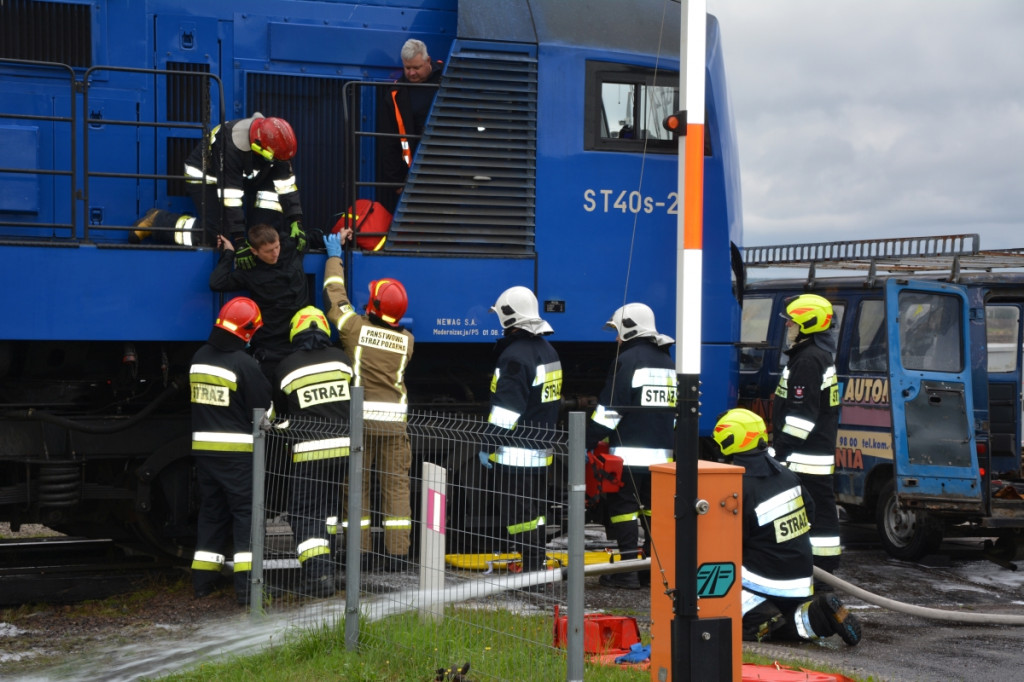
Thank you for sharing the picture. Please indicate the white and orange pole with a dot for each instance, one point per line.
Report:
(688, 649)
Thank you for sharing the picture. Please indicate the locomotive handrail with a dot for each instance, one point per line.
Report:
(350, 94)
(204, 126)
(71, 121)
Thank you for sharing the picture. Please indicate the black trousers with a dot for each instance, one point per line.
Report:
(826, 520)
(522, 507)
(225, 512)
(315, 496)
(629, 507)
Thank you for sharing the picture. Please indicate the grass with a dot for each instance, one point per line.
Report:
(498, 645)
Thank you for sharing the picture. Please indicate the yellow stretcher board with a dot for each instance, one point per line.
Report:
(512, 562)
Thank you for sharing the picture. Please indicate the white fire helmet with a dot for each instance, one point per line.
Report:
(635, 321)
(517, 307)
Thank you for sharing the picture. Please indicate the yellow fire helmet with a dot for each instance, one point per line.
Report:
(740, 430)
(309, 317)
(810, 312)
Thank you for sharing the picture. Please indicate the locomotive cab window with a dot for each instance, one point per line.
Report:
(625, 107)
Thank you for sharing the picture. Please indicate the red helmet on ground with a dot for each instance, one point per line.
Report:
(240, 316)
(273, 139)
(388, 300)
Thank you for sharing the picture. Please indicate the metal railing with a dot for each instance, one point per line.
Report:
(454, 576)
(74, 164)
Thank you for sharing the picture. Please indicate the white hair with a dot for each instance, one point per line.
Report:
(414, 48)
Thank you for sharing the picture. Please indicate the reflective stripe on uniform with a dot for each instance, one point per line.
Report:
(183, 230)
(624, 518)
(815, 465)
(344, 318)
(286, 186)
(376, 410)
(195, 176)
(654, 376)
(243, 561)
(797, 427)
(312, 548)
(779, 505)
(828, 379)
(211, 374)
(506, 419)
(325, 448)
(207, 561)
(748, 600)
(826, 545)
(268, 200)
(397, 522)
(332, 525)
(550, 377)
(312, 374)
(802, 622)
(364, 522)
(521, 457)
(642, 457)
(797, 587)
(606, 417)
(526, 526)
(406, 153)
(782, 390)
(230, 197)
(222, 442)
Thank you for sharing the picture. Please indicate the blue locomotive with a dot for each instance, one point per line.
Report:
(543, 163)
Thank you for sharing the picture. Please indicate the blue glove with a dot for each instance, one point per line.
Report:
(485, 459)
(333, 245)
(298, 235)
(244, 258)
(638, 653)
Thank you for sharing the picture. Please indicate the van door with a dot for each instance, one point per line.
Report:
(936, 463)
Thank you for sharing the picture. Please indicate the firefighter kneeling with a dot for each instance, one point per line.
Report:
(778, 567)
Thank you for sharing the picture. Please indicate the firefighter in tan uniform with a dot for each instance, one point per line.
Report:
(380, 350)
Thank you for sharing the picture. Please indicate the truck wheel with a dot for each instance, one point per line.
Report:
(905, 534)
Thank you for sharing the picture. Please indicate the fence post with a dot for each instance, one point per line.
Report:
(432, 537)
(353, 530)
(259, 526)
(577, 511)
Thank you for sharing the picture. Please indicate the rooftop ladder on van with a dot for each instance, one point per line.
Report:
(953, 253)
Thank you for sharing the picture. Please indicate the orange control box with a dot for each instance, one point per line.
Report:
(719, 557)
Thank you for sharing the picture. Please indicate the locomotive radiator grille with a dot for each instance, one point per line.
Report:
(472, 186)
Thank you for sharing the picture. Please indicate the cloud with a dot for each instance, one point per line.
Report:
(868, 119)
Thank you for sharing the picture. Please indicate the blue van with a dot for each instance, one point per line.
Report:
(929, 364)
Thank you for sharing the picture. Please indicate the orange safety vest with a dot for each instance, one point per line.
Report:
(406, 154)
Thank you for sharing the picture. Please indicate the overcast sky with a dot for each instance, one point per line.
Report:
(860, 119)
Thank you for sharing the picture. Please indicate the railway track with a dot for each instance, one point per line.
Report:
(65, 570)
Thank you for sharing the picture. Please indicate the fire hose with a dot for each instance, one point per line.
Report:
(922, 611)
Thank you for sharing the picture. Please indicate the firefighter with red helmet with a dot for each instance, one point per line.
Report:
(241, 176)
(226, 386)
(636, 413)
(313, 383)
(805, 418)
(778, 595)
(381, 349)
(526, 398)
